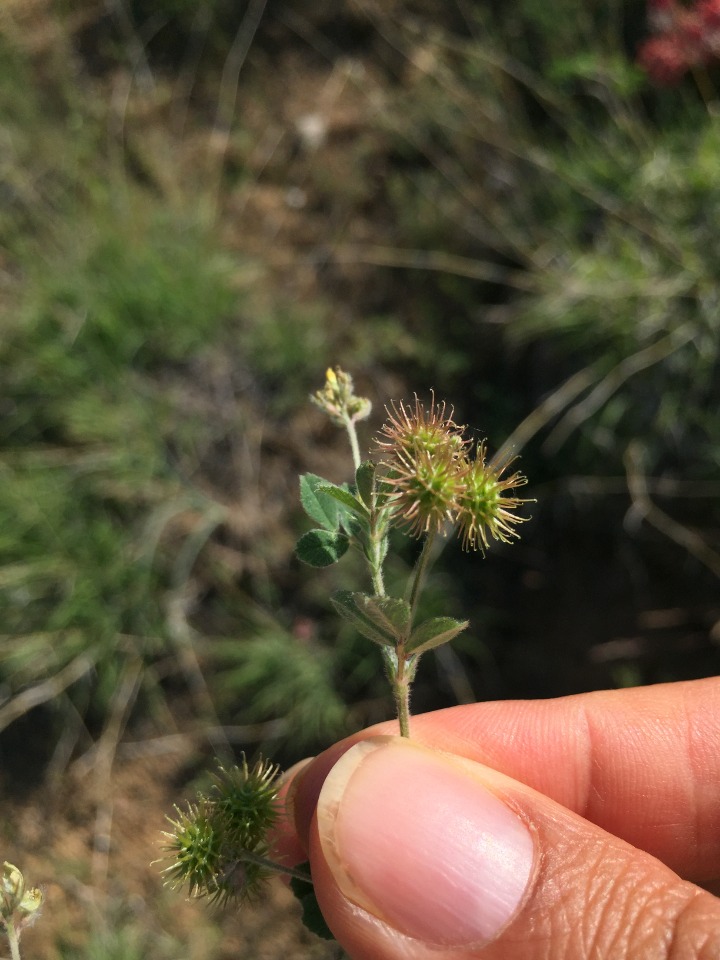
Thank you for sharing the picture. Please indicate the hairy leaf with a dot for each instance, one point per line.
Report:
(344, 497)
(433, 633)
(320, 548)
(390, 614)
(346, 604)
(365, 480)
(318, 505)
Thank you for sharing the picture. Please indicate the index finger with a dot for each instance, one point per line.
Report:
(642, 763)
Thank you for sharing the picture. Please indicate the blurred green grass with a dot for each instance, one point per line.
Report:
(565, 212)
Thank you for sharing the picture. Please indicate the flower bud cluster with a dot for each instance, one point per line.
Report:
(19, 904)
(432, 480)
(338, 399)
(685, 38)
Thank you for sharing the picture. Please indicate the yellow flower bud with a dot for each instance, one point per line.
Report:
(32, 901)
(13, 888)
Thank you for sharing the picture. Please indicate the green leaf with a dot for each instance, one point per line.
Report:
(320, 548)
(345, 498)
(353, 525)
(390, 614)
(433, 633)
(346, 604)
(320, 507)
(365, 480)
(312, 916)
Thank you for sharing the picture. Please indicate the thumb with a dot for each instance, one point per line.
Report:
(420, 854)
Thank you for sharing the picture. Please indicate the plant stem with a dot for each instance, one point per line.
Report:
(375, 559)
(352, 436)
(401, 676)
(401, 693)
(13, 939)
(271, 865)
(421, 568)
(395, 663)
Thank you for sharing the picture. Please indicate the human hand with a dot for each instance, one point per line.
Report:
(570, 829)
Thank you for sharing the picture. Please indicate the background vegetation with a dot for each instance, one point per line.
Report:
(202, 205)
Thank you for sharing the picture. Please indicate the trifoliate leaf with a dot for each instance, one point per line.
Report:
(368, 617)
(321, 548)
(390, 614)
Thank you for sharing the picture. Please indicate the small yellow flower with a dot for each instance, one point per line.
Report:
(31, 901)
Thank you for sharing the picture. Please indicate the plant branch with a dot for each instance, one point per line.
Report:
(273, 866)
(421, 568)
(352, 436)
(401, 683)
(643, 505)
(49, 689)
(627, 367)
(13, 939)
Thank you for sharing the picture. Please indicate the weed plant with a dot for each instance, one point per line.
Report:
(427, 477)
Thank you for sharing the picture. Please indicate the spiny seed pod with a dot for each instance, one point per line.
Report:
(424, 491)
(409, 431)
(218, 846)
(484, 509)
(423, 451)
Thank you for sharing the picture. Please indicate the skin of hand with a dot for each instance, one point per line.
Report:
(569, 829)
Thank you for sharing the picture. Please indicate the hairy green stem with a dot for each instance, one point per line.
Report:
(375, 562)
(377, 547)
(401, 693)
(394, 660)
(404, 669)
(421, 568)
(13, 939)
(352, 436)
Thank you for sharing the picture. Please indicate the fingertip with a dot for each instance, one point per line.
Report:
(307, 784)
(286, 844)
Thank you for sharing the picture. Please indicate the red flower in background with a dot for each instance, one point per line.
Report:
(685, 37)
(662, 60)
(709, 13)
